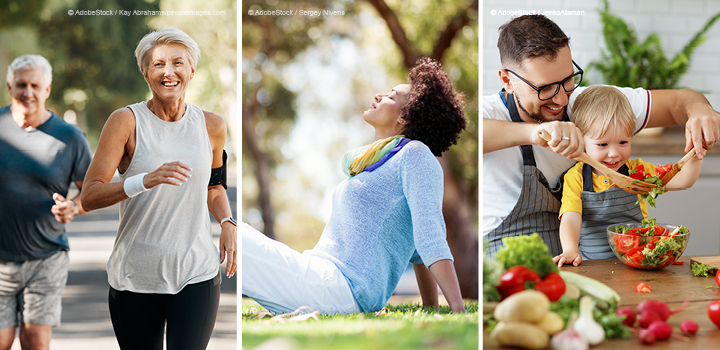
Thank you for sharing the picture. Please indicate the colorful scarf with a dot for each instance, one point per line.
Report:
(371, 157)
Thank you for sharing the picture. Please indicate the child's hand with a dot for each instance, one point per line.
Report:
(568, 258)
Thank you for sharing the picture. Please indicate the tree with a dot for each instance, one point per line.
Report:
(268, 110)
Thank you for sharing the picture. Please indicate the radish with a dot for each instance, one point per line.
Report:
(647, 336)
(629, 316)
(647, 317)
(660, 308)
(689, 327)
(662, 330)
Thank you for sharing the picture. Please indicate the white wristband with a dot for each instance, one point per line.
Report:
(133, 185)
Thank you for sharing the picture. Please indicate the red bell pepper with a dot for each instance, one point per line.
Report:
(552, 285)
(514, 280)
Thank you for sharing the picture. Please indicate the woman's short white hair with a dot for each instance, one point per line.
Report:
(165, 36)
(27, 62)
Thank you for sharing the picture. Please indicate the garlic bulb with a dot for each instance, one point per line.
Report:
(586, 325)
(568, 340)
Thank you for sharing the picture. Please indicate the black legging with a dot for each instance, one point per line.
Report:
(139, 319)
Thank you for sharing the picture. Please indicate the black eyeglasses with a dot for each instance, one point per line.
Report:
(549, 91)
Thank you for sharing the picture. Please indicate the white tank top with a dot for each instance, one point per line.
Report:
(164, 241)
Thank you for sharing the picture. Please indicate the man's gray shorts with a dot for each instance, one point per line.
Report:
(31, 291)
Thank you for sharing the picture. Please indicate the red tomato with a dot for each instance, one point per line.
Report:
(717, 278)
(513, 280)
(638, 173)
(639, 230)
(714, 312)
(658, 230)
(637, 258)
(643, 287)
(625, 243)
(680, 262)
(661, 170)
(552, 285)
(635, 250)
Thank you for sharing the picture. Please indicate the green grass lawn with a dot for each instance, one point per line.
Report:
(404, 326)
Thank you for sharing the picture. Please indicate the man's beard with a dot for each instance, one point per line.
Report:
(538, 116)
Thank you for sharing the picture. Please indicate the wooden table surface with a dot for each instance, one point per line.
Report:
(671, 285)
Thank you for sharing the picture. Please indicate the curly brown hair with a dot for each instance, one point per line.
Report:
(434, 110)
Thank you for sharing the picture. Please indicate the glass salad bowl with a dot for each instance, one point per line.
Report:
(648, 248)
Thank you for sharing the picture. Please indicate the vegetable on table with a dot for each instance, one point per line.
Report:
(520, 334)
(643, 287)
(659, 307)
(526, 306)
(647, 317)
(552, 285)
(517, 279)
(689, 327)
(525, 320)
(586, 325)
(529, 251)
(492, 269)
(629, 316)
(605, 297)
(714, 312)
(702, 270)
(568, 339)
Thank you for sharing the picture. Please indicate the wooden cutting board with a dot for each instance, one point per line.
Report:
(713, 261)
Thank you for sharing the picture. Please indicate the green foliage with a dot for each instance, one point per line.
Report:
(628, 62)
(94, 69)
(406, 326)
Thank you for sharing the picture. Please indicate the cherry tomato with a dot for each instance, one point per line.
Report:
(552, 285)
(717, 278)
(714, 312)
(625, 243)
(643, 287)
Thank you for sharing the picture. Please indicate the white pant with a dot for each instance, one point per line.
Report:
(282, 279)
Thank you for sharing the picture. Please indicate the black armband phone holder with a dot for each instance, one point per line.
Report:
(218, 176)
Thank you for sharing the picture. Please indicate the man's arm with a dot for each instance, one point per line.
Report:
(64, 209)
(498, 134)
(691, 109)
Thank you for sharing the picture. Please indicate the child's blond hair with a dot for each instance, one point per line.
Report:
(599, 108)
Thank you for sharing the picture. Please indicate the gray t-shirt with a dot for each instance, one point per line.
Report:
(34, 165)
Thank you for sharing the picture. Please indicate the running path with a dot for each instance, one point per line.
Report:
(85, 317)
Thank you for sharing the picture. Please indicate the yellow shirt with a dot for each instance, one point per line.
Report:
(573, 187)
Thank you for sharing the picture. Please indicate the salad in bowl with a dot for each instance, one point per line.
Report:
(648, 245)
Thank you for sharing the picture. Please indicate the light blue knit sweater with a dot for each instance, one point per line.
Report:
(382, 220)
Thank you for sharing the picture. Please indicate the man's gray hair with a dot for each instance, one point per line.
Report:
(165, 36)
(27, 62)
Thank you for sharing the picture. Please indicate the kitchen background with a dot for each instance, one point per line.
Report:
(676, 22)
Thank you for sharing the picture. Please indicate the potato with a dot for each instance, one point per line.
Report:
(551, 323)
(520, 334)
(526, 306)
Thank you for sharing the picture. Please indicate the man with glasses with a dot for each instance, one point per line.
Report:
(521, 171)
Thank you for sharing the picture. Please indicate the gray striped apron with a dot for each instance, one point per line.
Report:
(537, 208)
(600, 210)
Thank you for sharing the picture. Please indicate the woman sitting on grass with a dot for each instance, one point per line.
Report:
(388, 212)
